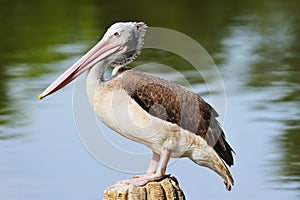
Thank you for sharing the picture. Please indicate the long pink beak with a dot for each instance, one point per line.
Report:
(99, 52)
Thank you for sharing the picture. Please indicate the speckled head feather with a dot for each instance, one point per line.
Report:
(134, 32)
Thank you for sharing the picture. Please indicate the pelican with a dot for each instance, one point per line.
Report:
(171, 120)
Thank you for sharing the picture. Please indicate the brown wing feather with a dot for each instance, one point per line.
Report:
(176, 104)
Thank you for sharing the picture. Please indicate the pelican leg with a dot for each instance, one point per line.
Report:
(152, 165)
(153, 174)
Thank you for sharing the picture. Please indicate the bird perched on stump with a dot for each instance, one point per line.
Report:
(171, 120)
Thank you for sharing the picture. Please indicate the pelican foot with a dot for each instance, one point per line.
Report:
(143, 175)
(140, 180)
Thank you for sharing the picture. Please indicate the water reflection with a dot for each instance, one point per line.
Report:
(260, 38)
(266, 48)
(277, 69)
(29, 31)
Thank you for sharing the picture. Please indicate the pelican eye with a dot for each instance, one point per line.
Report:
(138, 27)
(116, 34)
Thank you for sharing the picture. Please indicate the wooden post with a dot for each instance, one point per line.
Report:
(165, 189)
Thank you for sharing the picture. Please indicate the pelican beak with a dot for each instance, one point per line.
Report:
(100, 51)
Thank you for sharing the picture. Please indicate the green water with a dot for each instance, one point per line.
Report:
(254, 43)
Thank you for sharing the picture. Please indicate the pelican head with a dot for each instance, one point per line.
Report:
(120, 44)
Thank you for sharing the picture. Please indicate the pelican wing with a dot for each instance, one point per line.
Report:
(176, 104)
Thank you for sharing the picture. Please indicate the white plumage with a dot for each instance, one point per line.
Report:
(147, 109)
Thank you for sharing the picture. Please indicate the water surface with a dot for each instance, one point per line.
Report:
(254, 44)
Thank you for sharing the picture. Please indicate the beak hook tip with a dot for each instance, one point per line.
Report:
(40, 97)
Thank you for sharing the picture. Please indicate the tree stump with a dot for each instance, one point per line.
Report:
(165, 189)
